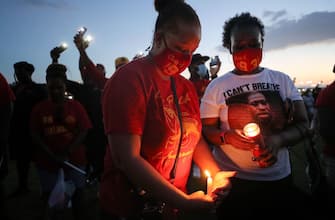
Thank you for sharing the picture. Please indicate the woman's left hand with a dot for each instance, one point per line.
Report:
(273, 143)
(221, 185)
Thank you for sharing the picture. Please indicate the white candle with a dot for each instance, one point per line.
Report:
(251, 130)
(209, 182)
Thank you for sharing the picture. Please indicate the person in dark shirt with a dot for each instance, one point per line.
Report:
(6, 107)
(27, 93)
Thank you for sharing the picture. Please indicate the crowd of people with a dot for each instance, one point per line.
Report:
(139, 133)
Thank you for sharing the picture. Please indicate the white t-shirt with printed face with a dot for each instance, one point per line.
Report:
(227, 98)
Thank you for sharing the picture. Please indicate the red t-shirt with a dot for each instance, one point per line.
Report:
(136, 100)
(91, 72)
(200, 86)
(6, 93)
(57, 135)
(326, 99)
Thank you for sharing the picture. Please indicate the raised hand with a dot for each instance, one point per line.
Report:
(79, 41)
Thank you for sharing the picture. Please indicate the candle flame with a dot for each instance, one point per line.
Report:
(207, 173)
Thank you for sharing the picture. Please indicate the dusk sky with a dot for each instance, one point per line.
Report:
(299, 34)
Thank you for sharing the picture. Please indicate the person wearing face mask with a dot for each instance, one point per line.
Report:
(199, 74)
(256, 188)
(151, 118)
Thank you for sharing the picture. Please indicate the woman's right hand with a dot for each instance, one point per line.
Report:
(79, 41)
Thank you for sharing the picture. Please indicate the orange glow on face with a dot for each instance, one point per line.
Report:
(251, 130)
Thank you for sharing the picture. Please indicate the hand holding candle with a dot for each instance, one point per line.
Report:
(260, 153)
(219, 186)
(62, 47)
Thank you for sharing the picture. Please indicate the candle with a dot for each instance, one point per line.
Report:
(251, 130)
(209, 182)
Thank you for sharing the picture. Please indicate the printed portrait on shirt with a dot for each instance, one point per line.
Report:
(266, 108)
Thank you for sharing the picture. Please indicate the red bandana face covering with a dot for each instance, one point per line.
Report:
(248, 59)
(172, 62)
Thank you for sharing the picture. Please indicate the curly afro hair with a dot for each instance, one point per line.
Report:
(243, 19)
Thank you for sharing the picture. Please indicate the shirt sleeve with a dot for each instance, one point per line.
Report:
(123, 103)
(209, 107)
(90, 71)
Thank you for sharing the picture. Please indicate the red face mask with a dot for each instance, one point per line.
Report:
(172, 62)
(248, 59)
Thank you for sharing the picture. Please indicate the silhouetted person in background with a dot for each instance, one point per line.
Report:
(90, 97)
(59, 126)
(309, 103)
(120, 61)
(27, 93)
(73, 88)
(88, 94)
(93, 74)
(199, 74)
(6, 107)
(325, 108)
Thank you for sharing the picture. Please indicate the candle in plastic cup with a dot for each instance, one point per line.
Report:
(251, 130)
